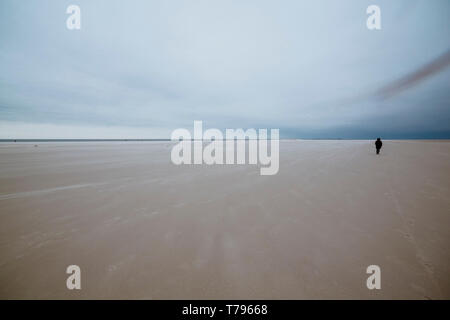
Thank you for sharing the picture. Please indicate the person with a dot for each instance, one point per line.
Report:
(378, 145)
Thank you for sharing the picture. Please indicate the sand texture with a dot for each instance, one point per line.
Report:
(140, 227)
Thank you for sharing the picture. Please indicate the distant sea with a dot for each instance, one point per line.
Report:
(122, 140)
(77, 140)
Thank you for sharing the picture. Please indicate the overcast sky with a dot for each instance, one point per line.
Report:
(140, 69)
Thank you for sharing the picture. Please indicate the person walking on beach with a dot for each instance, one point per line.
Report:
(378, 145)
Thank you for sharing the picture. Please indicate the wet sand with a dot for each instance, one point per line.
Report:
(140, 227)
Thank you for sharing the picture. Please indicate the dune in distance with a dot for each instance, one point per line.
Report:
(141, 227)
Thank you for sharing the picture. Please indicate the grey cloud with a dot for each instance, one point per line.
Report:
(288, 65)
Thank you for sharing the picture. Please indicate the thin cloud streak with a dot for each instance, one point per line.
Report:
(414, 78)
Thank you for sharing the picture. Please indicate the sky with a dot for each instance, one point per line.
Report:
(141, 69)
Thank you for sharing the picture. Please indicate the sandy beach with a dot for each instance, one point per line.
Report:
(141, 227)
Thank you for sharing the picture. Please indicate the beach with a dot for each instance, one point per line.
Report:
(140, 227)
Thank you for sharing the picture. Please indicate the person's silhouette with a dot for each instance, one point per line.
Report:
(378, 145)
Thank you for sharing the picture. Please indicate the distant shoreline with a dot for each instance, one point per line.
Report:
(77, 140)
(169, 140)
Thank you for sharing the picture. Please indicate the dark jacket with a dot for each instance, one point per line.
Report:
(378, 144)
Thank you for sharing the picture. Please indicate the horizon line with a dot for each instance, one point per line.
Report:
(177, 140)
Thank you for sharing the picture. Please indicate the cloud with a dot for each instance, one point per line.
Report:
(163, 64)
(414, 78)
